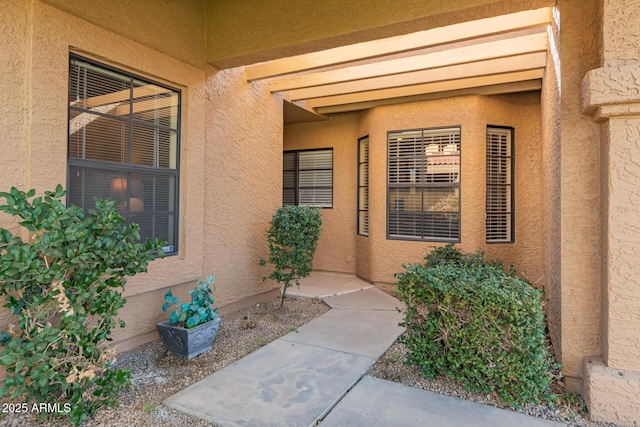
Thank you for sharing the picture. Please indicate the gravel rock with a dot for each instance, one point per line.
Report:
(156, 375)
(569, 409)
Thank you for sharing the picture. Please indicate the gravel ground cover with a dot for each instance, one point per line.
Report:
(569, 409)
(155, 375)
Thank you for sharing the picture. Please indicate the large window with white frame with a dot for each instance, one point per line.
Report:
(124, 133)
(363, 186)
(500, 194)
(423, 187)
(307, 178)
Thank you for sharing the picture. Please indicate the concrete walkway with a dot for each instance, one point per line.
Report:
(316, 375)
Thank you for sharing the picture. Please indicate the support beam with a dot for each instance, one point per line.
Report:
(427, 88)
(478, 52)
(419, 40)
(473, 69)
(500, 89)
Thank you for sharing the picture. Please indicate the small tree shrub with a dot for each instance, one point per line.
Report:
(468, 319)
(293, 239)
(64, 284)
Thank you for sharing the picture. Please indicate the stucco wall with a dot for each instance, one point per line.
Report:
(242, 181)
(378, 258)
(336, 247)
(13, 50)
(580, 193)
(611, 97)
(623, 322)
(620, 36)
(231, 145)
(550, 181)
(13, 114)
(176, 28)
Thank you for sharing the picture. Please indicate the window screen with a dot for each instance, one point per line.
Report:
(124, 145)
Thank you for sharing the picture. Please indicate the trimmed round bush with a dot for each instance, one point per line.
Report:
(470, 320)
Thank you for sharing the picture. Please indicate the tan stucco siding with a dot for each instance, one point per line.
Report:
(550, 182)
(620, 36)
(623, 308)
(611, 97)
(580, 193)
(13, 114)
(337, 244)
(242, 181)
(377, 257)
(231, 137)
(176, 28)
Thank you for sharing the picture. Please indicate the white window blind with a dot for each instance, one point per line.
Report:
(363, 186)
(424, 184)
(499, 224)
(123, 145)
(307, 178)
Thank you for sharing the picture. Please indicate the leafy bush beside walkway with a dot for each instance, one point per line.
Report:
(469, 319)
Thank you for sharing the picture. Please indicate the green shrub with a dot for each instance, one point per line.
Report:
(64, 285)
(468, 319)
(293, 239)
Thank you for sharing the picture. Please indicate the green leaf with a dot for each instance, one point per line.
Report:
(174, 317)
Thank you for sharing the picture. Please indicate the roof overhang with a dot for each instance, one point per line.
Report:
(502, 54)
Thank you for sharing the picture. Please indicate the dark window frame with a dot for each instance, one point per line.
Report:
(296, 171)
(421, 185)
(125, 169)
(363, 187)
(511, 184)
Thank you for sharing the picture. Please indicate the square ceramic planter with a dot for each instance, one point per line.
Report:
(188, 343)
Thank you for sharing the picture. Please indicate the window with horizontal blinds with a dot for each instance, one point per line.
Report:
(499, 226)
(363, 186)
(124, 145)
(423, 186)
(307, 178)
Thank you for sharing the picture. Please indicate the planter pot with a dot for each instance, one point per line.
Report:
(188, 343)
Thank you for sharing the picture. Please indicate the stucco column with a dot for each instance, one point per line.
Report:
(611, 94)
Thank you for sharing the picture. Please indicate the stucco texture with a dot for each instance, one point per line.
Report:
(620, 43)
(611, 97)
(377, 258)
(176, 28)
(227, 150)
(576, 151)
(550, 181)
(623, 321)
(314, 25)
(580, 194)
(242, 181)
(336, 247)
(14, 116)
(612, 394)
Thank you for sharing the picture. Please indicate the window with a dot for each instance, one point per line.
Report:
(124, 145)
(363, 186)
(423, 187)
(307, 178)
(499, 185)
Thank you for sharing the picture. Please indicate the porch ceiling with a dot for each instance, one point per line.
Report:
(502, 54)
